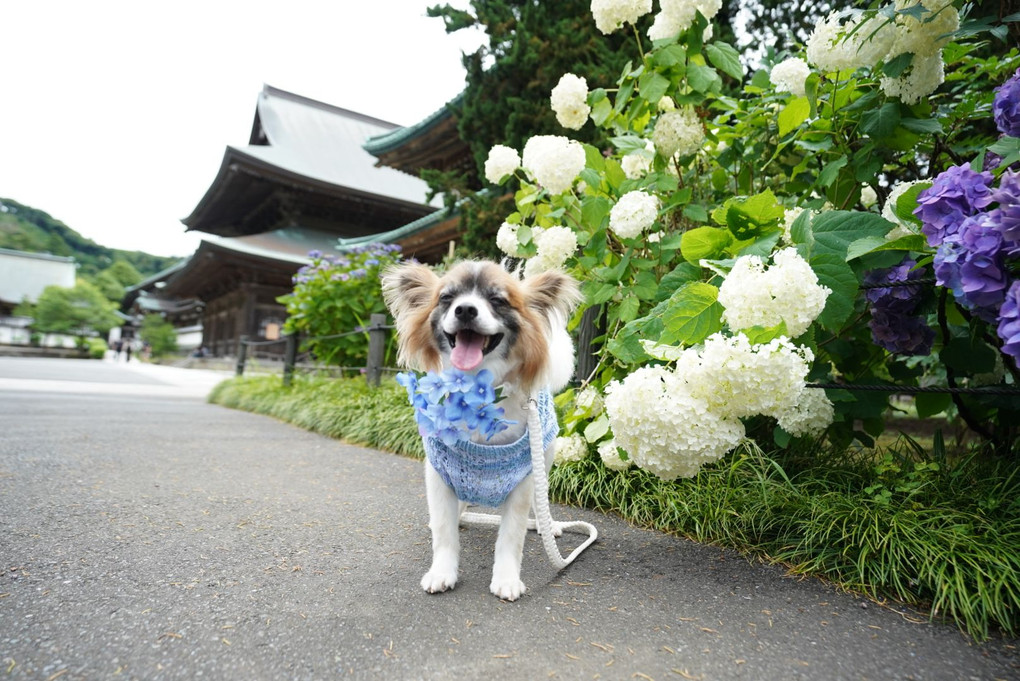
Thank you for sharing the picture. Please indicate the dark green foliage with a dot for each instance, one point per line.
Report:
(78, 311)
(23, 228)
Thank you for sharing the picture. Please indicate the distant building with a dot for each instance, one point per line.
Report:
(23, 276)
(303, 181)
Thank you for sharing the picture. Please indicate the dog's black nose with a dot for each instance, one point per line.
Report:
(465, 313)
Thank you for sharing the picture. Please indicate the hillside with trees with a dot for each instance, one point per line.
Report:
(23, 228)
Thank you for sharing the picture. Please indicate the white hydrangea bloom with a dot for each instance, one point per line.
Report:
(569, 100)
(869, 197)
(555, 245)
(610, 455)
(570, 448)
(678, 132)
(786, 292)
(635, 212)
(554, 161)
(790, 216)
(790, 75)
(825, 47)
(736, 379)
(612, 14)
(506, 240)
(663, 428)
(502, 161)
(635, 165)
(811, 415)
(926, 36)
(869, 42)
(920, 80)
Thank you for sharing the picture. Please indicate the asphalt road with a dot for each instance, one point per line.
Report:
(145, 534)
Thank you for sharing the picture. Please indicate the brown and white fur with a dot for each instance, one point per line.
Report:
(520, 329)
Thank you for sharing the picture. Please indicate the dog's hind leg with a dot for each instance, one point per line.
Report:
(506, 568)
(444, 516)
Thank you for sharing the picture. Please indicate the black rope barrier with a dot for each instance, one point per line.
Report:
(904, 389)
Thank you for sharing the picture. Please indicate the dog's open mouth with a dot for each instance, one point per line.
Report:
(468, 348)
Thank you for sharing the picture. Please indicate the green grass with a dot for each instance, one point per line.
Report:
(900, 524)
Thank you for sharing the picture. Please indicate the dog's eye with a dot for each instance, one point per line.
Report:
(446, 298)
(498, 301)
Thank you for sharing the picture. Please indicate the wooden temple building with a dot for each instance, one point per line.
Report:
(312, 177)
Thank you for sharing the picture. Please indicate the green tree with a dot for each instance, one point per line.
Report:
(159, 334)
(108, 285)
(80, 311)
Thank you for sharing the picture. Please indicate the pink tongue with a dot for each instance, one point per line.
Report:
(467, 353)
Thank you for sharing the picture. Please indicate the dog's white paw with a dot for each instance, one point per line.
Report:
(507, 589)
(437, 581)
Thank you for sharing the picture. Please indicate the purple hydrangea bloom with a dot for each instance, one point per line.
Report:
(983, 275)
(1006, 106)
(901, 334)
(902, 299)
(957, 193)
(947, 265)
(1009, 321)
(1006, 217)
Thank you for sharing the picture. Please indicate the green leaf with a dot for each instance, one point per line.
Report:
(683, 273)
(922, 126)
(600, 111)
(875, 244)
(907, 202)
(1008, 148)
(726, 59)
(597, 429)
(896, 66)
(836, 275)
(967, 355)
(594, 211)
(704, 242)
(793, 114)
(833, 231)
(653, 86)
(628, 308)
(671, 55)
(703, 78)
(930, 404)
(881, 122)
(695, 212)
(693, 314)
(831, 170)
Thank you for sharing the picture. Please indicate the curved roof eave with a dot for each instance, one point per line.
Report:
(381, 144)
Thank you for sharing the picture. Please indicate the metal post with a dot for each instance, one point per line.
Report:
(376, 348)
(289, 356)
(242, 354)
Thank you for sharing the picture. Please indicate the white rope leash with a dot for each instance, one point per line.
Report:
(547, 527)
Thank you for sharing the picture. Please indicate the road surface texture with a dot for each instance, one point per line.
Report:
(147, 534)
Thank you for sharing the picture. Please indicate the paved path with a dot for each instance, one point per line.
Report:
(149, 535)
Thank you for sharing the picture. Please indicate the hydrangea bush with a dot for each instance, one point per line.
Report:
(335, 294)
(727, 233)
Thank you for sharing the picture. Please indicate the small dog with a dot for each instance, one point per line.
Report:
(479, 316)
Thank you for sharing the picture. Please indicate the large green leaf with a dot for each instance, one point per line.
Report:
(881, 122)
(692, 314)
(833, 231)
(704, 242)
(726, 59)
(834, 273)
(875, 244)
(793, 114)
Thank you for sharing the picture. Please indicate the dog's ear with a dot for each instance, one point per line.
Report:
(553, 291)
(408, 287)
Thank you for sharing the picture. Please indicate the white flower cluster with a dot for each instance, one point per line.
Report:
(676, 16)
(569, 100)
(610, 455)
(790, 75)
(612, 14)
(502, 161)
(678, 132)
(635, 212)
(588, 401)
(790, 216)
(859, 42)
(554, 161)
(555, 245)
(663, 428)
(786, 292)
(671, 422)
(570, 448)
(506, 240)
(869, 197)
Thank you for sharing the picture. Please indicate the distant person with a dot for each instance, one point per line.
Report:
(117, 347)
(127, 351)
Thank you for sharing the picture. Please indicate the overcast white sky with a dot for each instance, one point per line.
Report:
(114, 115)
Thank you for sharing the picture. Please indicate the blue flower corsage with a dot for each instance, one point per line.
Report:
(452, 405)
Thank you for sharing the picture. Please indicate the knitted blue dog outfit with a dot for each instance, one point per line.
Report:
(486, 474)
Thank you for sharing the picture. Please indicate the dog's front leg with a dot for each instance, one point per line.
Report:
(506, 568)
(444, 519)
